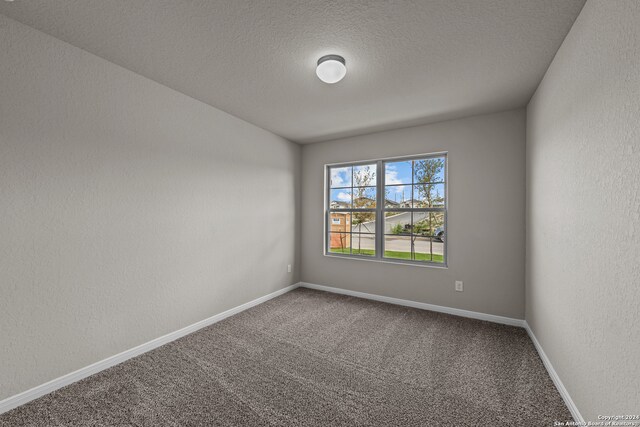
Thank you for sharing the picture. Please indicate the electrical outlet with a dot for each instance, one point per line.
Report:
(289, 268)
(459, 286)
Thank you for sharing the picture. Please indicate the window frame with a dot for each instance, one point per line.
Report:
(380, 209)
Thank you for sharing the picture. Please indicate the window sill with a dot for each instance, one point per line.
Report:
(389, 261)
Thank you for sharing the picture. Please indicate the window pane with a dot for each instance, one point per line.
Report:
(397, 172)
(363, 244)
(397, 223)
(340, 222)
(437, 225)
(363, 222)
(428, 170)
(364, 197)
(438, 195)
(422, 248)
(421, 224)
(364, 175)
(340, 243)
(398, 247)
(428, 236)
(437, 248)
(340, 177)
(420, 197)
(341, 198)
(395, 195)
(428, 196)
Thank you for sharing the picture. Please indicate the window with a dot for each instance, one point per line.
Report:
(388, 210)
(352, 209)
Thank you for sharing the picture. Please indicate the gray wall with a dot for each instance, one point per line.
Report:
(486, 234)
(583, 210)
(127, 209)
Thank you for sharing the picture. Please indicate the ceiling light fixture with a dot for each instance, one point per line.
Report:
(331, 68)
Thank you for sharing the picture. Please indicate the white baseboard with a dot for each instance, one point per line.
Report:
(46, 388)
(422, 305)
(555, 378)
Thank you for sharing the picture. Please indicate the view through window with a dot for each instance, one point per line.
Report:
(393, 209)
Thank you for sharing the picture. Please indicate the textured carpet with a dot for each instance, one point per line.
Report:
(319, 359)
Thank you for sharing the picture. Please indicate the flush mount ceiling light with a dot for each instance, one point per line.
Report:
(331, 68)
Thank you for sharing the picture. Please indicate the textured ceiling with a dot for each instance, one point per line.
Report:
(409, 62)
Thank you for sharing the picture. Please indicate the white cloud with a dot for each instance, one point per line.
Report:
(338, 177)
(391, 178)
(343, 197)
(395, 193)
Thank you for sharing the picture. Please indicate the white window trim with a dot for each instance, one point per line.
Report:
(379, 210)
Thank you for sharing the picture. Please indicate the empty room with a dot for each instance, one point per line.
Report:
(320, 213)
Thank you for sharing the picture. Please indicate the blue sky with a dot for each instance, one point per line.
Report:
(398, 173)
(397, 178)
(341, 177)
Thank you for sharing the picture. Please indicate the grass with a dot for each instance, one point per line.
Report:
(390, 254)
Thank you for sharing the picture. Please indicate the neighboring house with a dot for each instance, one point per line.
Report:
(339, 205)
(414, 203)
(359, 202)
(391, 204)
(408, 203)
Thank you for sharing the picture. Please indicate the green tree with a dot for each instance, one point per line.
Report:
(425, 177)
(398, 229)
(363, 197)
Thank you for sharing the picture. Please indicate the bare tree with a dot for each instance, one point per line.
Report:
(362, 178)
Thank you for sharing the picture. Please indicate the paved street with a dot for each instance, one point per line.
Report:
(399, 243)
(391, 221)
(396, 242)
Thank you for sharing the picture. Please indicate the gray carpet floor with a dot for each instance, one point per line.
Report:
(318, 359)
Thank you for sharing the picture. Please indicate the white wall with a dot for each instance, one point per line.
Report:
(127, 210)
(486, 229)
(583, 210)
